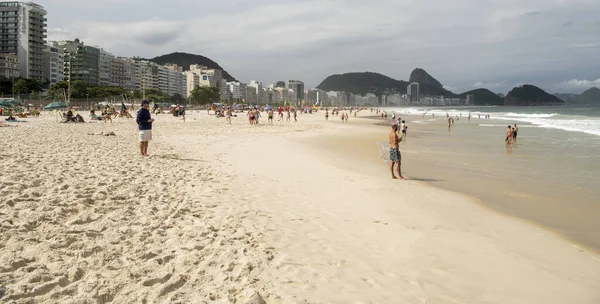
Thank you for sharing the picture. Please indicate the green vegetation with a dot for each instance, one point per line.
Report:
(368, 82)
(185, 60)
(484, 97)
(422, 77)
(21, 86)
(528, 95)
(204, 95)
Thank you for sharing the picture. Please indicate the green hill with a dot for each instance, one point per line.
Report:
(185, 60)
(484, 97)
(422, 77)
(369, 82)
(528, 95)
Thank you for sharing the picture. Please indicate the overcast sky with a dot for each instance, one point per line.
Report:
(465, 44)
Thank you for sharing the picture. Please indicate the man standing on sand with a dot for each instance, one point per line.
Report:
(144, 122)
(395, 157)
(514, 133)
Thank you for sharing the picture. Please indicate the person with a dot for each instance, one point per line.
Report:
(395, 156)
(508, 138)
(346, 117)
(326, 114)
(228, 115)
(270, 115)
(144, 121)
(514, 133)
(403, 127)
(251, 116)
(295, 116)
(287, 117)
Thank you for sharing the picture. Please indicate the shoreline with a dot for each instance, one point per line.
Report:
(554, 218)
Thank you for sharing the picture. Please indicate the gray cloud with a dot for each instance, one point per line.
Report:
(459, 42)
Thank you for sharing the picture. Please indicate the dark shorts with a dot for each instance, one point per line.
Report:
(395, 155)
(403, 131)
(514, 134)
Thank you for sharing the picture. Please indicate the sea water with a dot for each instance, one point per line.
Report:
(551, 175)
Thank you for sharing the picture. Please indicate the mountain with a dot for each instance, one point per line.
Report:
(369, 82)
(484, 97)
(185, 60)
(422, 77)
(590, 96)
(528, 95)
(566, 96)
(362, 83)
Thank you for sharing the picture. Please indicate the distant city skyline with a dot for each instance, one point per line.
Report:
(464, 44)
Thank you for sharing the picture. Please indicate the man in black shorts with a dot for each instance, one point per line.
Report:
(395, 156)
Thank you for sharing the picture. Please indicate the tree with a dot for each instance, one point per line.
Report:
(58, 90)
(78, 89)
(177, 98)
(24, 85)
(204, 95)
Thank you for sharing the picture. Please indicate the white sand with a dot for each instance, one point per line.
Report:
(220, 212)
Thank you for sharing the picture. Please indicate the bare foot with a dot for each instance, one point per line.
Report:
(394, 177)
(402, 177)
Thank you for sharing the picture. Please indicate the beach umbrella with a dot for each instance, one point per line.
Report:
(55, 105)
(6, 104)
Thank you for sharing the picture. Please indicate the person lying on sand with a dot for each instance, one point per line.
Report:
(104, 134)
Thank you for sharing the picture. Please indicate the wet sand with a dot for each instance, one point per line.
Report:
(472, 159)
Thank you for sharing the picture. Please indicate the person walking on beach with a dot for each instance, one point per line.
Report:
(326, 114)
(514, 133)
(403, 127)
(395, 156)
(508, 139)
(295, 116)
(144, 122)
(228, 115)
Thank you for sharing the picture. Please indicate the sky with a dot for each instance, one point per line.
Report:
(465, 44)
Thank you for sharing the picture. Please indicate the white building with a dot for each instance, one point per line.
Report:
(54, 69)
(413, 92)
(23, 27)
(257, 86)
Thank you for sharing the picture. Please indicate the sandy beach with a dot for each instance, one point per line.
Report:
(296, 213)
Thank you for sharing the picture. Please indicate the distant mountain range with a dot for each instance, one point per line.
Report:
(369, 82)
(185, 60)
(590, 96)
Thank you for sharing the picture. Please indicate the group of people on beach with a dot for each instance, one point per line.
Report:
(511, 134)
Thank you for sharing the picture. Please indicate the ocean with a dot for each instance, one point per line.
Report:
(551, 176)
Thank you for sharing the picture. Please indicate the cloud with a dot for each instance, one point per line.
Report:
(463, 41)
(577, 85)
(490, 85)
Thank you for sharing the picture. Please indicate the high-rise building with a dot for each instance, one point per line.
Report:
(298, 87)
(470, 100)
(280, 84)
(81, 61)
(117, 76)
(413, 92)
(257, 86)
(104, 66)
(54, 64)
(9, 65)
(23, 32)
